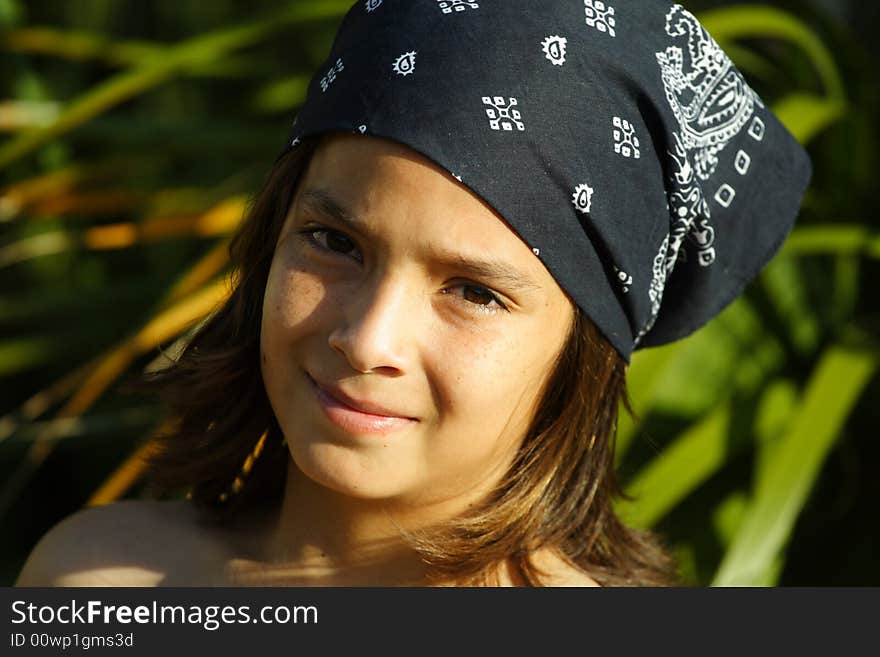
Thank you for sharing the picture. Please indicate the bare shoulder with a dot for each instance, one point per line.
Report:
(559, 571)
(127, 543)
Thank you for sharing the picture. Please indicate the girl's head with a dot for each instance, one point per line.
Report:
(354, 269)
(394, 285)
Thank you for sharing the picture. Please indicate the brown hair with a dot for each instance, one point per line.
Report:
(558, 492)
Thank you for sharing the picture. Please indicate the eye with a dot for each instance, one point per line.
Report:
(327, 239)
(479, 299)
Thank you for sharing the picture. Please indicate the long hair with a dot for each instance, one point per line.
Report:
(557, 493)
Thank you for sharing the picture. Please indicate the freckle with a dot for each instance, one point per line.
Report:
(263, 354)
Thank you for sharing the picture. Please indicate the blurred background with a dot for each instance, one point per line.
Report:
(133, 133)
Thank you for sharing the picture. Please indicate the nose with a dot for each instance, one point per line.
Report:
(376, 326)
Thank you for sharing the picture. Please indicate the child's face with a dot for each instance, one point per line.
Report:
(385, 313)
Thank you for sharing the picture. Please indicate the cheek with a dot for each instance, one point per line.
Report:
(493, 382)
(487, 396)
(290, 303)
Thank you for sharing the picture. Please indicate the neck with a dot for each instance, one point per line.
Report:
(319, 537)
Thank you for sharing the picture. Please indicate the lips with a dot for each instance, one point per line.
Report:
(347, 415)
(364, 406)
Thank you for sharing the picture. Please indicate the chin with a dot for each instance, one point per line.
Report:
(349, 472)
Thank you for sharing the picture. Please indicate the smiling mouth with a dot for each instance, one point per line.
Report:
(354, 420)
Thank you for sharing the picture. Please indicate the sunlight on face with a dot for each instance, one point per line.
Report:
(397, 286)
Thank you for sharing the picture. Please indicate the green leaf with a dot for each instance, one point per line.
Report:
(776, 409)
(807, 115)
(80, 45)
(845, 297)
(36, 246)
(750, 62)
(685, 464)
(836, 239)
(24, 353)
(643, 375)
(784, 484)
(701, 451)
(176, 59)
(11, 13)
(751, 21)
(108, 425)
(728, 515)
(689, 376)
(786, 287)
(281, 95)
(707, 362)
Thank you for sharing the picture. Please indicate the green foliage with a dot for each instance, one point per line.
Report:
(754, 21)
(775, 379)
(789, 465)
(126, 160)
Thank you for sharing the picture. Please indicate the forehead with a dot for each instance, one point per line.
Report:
(391, 196)
(372, 171)
(387, 190)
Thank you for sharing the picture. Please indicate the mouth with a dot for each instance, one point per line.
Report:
(355, 420)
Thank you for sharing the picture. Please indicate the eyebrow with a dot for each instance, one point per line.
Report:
(499, 272)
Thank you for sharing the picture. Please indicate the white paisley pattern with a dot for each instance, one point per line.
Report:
(448, 6)
(503, 114)
(623, 278)
(600, 16)
(708, 96)
(712, 103)
(582, 198)
(405, 64)
(554, 49)
(659, 270)
(330, 77)
(625, 141)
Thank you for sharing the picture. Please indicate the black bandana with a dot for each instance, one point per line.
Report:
(615, 138)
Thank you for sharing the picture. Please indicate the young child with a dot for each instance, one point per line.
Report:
(481, 211)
